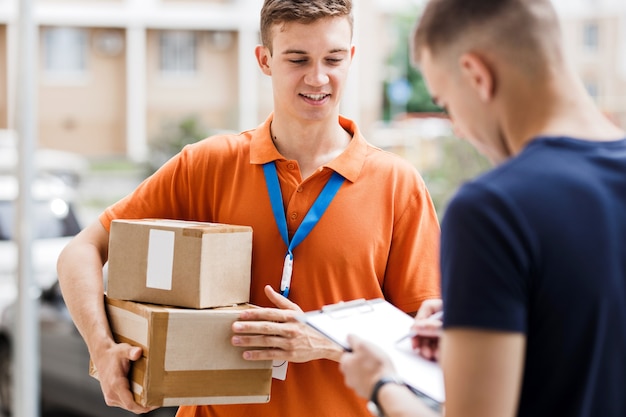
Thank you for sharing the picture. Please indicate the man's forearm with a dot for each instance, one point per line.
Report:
(398, 401)
(81, 281)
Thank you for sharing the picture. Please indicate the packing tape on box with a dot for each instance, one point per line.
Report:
(161, 248)
(191, 383)
(181, 385)
(185, 385)
(197, 384)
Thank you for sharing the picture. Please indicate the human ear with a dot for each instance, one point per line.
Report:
(478, 74)
(262, 57)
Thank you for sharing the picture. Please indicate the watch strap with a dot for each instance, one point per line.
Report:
(374, 404)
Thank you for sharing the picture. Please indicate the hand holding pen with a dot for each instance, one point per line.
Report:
(427, 328)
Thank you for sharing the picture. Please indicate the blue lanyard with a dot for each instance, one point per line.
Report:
(310, 220)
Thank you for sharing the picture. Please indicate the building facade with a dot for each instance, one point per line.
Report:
(113, 73)
(595, 36)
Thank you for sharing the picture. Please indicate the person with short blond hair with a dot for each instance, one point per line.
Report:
(533, 252)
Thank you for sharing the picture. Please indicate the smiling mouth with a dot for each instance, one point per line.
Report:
(315, 97)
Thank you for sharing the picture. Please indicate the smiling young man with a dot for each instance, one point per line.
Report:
(533, 253)
(378, 236)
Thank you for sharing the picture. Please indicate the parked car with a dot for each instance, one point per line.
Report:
(54, 223)
(64, 359)
(69, 166)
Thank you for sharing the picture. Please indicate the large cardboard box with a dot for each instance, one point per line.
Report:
(187, 355)
(179, 263)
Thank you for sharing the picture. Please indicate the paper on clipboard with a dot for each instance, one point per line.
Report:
(383, 324)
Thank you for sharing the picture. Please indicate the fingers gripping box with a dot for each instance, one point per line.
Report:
(187, 355)
(179, 263)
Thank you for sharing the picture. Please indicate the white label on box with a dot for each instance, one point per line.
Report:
(279, 369)
(160, 259)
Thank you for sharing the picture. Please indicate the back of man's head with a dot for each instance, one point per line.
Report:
(526, 32)
(278, 12)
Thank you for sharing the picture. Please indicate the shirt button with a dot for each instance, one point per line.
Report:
(294, 215)
(291, 165)
(300, 189)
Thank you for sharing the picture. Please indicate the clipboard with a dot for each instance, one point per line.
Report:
(386, 326)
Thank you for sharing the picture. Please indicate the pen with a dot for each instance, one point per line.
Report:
(437, 316)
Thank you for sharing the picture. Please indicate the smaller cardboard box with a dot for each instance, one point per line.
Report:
(188, 358)
(179, 263)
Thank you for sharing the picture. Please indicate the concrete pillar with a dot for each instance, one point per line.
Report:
(136, 117)
(248, 89)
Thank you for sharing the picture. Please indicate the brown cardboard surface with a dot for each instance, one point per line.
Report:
(187, 355)
(196, 265)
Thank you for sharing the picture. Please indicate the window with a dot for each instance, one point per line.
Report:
(178, 52)
(591, 39)
(65, 51)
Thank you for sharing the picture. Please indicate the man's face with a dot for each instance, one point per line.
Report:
(309, 66)
(473, 118)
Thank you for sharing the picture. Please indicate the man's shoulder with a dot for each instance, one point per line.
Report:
(536, 174)
(490, 191)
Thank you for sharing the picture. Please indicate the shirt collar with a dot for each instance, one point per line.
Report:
(349, 163)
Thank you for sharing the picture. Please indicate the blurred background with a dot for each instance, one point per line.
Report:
(122, 85)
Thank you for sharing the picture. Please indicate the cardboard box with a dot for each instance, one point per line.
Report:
(179, 263)
(187, 355)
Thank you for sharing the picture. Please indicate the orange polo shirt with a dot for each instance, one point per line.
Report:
(378, 238)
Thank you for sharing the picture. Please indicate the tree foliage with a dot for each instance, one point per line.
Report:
(401, 69)
(459, 162)
(174, 136)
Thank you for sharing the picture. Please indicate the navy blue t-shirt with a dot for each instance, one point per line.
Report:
(538, 246)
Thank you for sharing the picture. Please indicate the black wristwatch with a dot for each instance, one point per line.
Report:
(373, 405)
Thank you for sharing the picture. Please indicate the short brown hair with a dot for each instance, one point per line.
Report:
(524, 30)
(276, 12)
